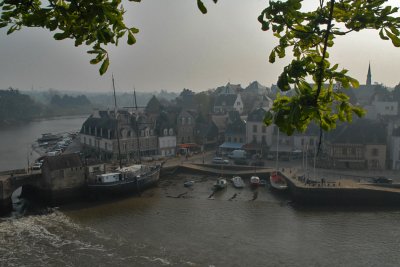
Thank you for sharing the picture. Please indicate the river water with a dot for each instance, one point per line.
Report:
(233, 228)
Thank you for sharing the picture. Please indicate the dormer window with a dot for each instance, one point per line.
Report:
(171, 131)
(165, 131)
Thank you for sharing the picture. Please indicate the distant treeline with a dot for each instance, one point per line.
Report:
(16, 107)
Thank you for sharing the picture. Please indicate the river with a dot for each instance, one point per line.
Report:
(158, 229)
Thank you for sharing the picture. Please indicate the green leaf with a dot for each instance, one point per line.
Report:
(201, 6)
(59, 36)
(134, 30)
(131, 38)
(104, 66)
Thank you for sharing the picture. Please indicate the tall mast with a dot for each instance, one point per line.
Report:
(137, 127)
(116, 124)
(277, 150)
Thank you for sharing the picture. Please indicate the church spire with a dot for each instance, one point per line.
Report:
(369, 75)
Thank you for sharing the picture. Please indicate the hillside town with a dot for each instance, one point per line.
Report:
(231, 118)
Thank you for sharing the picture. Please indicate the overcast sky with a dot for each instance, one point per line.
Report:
(177, 48)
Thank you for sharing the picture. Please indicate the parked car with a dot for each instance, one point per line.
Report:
(383, 180)
(37, 166)
(218, 160)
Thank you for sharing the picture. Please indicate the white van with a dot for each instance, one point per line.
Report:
(237, 154)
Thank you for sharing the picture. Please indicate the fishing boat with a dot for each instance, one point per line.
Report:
(277, 182)
(237, 182)
(129, 179)
(254, 181)
(220, 184)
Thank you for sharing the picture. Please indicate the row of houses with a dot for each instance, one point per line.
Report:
(234, 120)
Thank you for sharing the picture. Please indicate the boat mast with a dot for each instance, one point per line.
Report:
(116, 124)
(137, 127)
(277, 151)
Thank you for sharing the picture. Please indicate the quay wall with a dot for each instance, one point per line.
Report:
(315, 196)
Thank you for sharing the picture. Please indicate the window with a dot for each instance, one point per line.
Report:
(106, 146)
(254, 139)
(229, 139)
(374, 152)
(344, 151)
(84, 140)
(263, 140)
(189, 120)
(240, 140)
(353, 150)
(171, 132)
(263, 129)
(238, 103)
(254, 128)
(311, 142)
(302, 141)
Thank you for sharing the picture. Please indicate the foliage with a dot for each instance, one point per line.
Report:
(67, 101)
(309, 34)
(15, 106)
(95, 23)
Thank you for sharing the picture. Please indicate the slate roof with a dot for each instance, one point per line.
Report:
(257, 115)
(255, 87)
(225, 100)
(360, 132)
(164, 121)
(106, 123)
(209, 130)
(236, 127)
(64, 161)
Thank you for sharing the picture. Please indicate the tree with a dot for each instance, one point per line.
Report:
(309, 34)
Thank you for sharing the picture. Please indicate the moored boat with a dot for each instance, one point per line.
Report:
(237, 182)
(188, 183)
(254, 181)
(131, 179)
(220, 184)
(277, 182)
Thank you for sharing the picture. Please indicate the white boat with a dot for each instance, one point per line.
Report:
(254, 181)
(220, 184)
(237, 182)
(277, 182)
(188, 183)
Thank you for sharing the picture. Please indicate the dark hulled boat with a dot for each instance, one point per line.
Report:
(131, 179)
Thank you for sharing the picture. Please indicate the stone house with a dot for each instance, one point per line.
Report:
(258, 135)
(186, 122)
(99, 135)
(64, 177)
(360, 145)
(165, 130)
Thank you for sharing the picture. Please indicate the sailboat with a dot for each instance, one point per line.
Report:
(276, 180)
(129, 179)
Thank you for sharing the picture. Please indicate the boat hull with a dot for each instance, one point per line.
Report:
(278, 183)
(134, 185)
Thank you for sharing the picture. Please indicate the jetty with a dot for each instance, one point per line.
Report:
(341, 192)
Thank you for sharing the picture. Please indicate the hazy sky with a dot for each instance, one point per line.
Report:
(177, 48)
